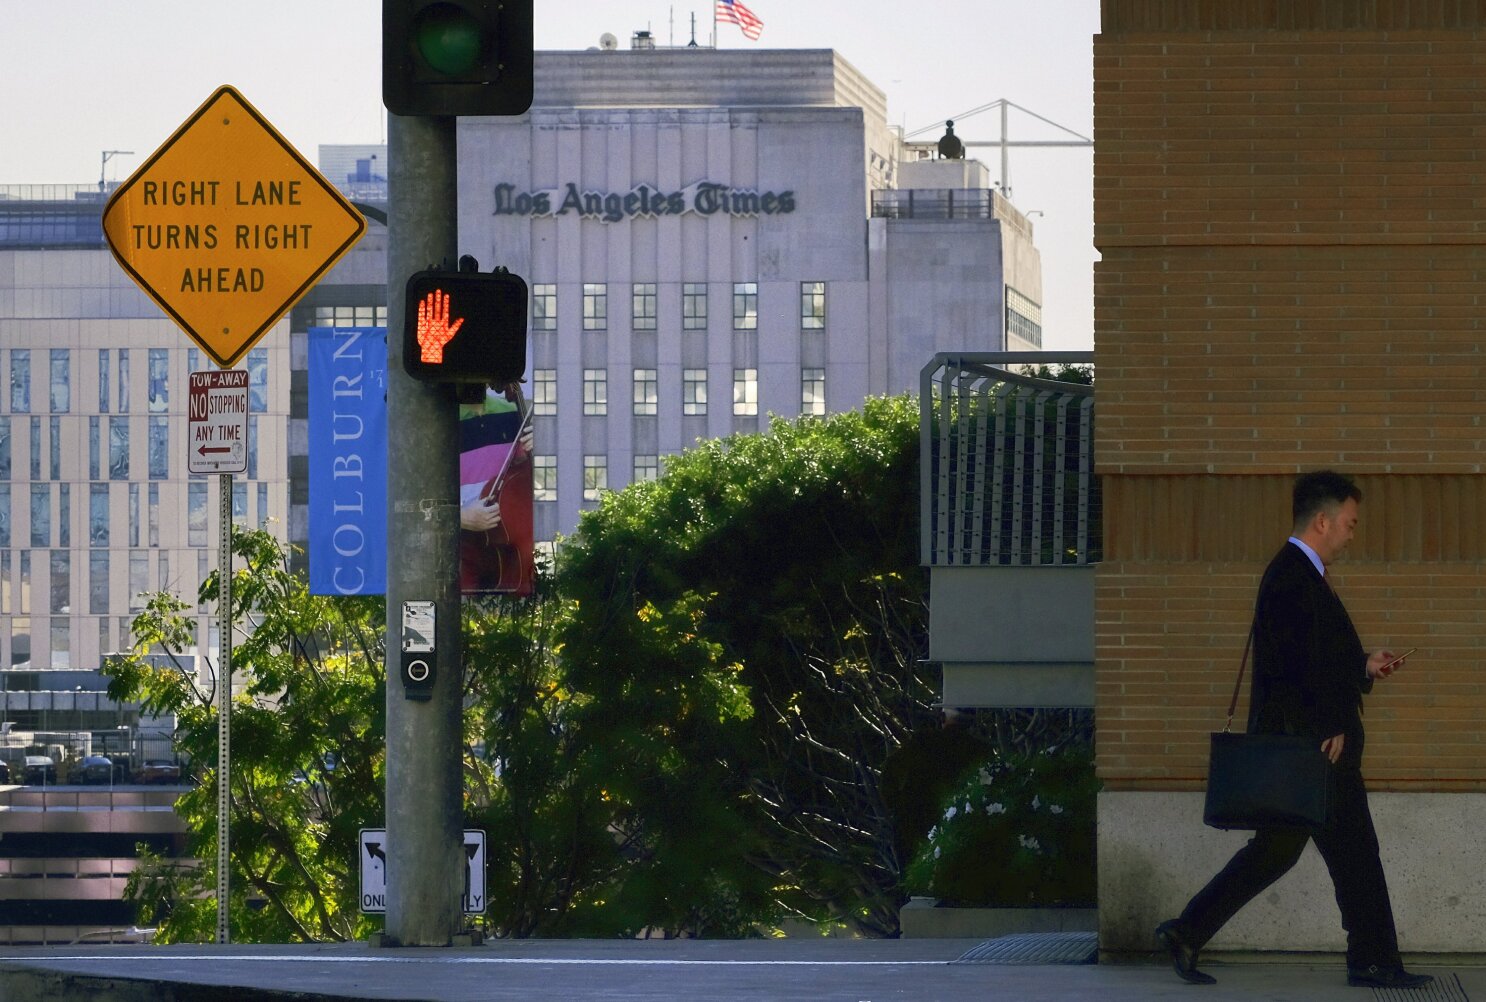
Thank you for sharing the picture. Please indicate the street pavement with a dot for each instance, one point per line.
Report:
(808, 970)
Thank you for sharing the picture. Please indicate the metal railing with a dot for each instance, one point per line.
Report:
(1007, 463)
(934, 203)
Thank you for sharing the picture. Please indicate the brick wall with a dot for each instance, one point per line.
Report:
(1291, 216)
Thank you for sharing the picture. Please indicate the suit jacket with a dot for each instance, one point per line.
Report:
(1310, 669)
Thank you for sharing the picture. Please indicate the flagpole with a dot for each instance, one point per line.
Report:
(714, 24)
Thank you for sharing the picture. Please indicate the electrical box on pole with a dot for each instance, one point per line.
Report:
(465, 326)
(457, 57)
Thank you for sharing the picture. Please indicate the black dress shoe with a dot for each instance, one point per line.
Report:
(1385, 977)
(1183, 956)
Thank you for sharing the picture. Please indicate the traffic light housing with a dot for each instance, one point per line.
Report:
(465, 327)
(457, 57)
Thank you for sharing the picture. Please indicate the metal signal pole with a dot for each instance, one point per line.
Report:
(425, 821)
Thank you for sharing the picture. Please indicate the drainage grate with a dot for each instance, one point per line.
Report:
(1038, 948)
(1444, 988)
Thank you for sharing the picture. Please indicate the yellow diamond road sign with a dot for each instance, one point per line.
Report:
(226, 226)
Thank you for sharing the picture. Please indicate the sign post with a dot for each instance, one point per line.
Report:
(217, 442)
(226, 227)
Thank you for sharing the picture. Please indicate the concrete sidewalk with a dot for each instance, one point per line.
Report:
(650, 971)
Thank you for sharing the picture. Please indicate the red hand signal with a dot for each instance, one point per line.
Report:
(434, 329)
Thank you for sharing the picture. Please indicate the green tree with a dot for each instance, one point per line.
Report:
(306, 768)
(783, 570)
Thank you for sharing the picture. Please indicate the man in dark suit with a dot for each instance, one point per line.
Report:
(1310, 672)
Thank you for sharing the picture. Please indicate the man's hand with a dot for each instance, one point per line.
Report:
(1382, 663)
(1332, 748)
(482, 516)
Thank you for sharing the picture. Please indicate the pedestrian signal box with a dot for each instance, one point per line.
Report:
(465, 327)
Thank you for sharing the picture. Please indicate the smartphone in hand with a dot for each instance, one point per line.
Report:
(1387, 669)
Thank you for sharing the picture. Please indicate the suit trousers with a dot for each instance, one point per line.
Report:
(1349, 846)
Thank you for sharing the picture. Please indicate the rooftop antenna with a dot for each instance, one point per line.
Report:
(103, 167)
(693, 43)
(1005, 142)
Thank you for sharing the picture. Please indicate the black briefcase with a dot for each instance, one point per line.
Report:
(1266, 781)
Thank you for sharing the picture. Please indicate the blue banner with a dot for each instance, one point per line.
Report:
(348, 460)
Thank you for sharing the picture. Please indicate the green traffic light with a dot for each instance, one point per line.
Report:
(448, 38)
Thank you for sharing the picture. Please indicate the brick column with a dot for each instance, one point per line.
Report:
(1290, 207)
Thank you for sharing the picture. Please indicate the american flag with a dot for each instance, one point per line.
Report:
(732, 10)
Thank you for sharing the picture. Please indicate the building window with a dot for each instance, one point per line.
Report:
(159, 448)
(5, 529)
(642, 307)
(61, 398)
(745, 306)
(103, 362)
(20, 380)
(98, 514)
(544, 307)
(61, 583)
(139, 579)
(745, 391)
(159, 398)
(98, 586)
(1023, 318)
(595, 306)
(133, 514)
(813, 391)
(64, 514)
(35, 448)
(252, 446)
(595, 391)
(694, 306)
(262, 504)
(595, 476)
(544, 391)
(61, 632)
(240, 502)
(350, 316)
(544, 478)
(812, 306)
(196, 513)
(647, 391)
(4, 448)
(646, 468)
(41, 515)
(193, 359)
(258, 380)
(54, 447)
(152, 505)
(118, 448)
(693, 391)
(123, 394)
(95, 446)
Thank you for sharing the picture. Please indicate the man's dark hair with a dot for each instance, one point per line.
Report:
(1318, 490)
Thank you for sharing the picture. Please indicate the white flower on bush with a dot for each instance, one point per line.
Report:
(933, 833)
(1028, 842)
(995, 808)
(1055, 808)
(949, 814)
(937, 850)
(1036, 803)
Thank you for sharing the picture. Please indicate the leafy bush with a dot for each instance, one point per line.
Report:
(1019, 834)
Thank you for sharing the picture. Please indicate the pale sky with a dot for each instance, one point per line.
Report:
(79, 77)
